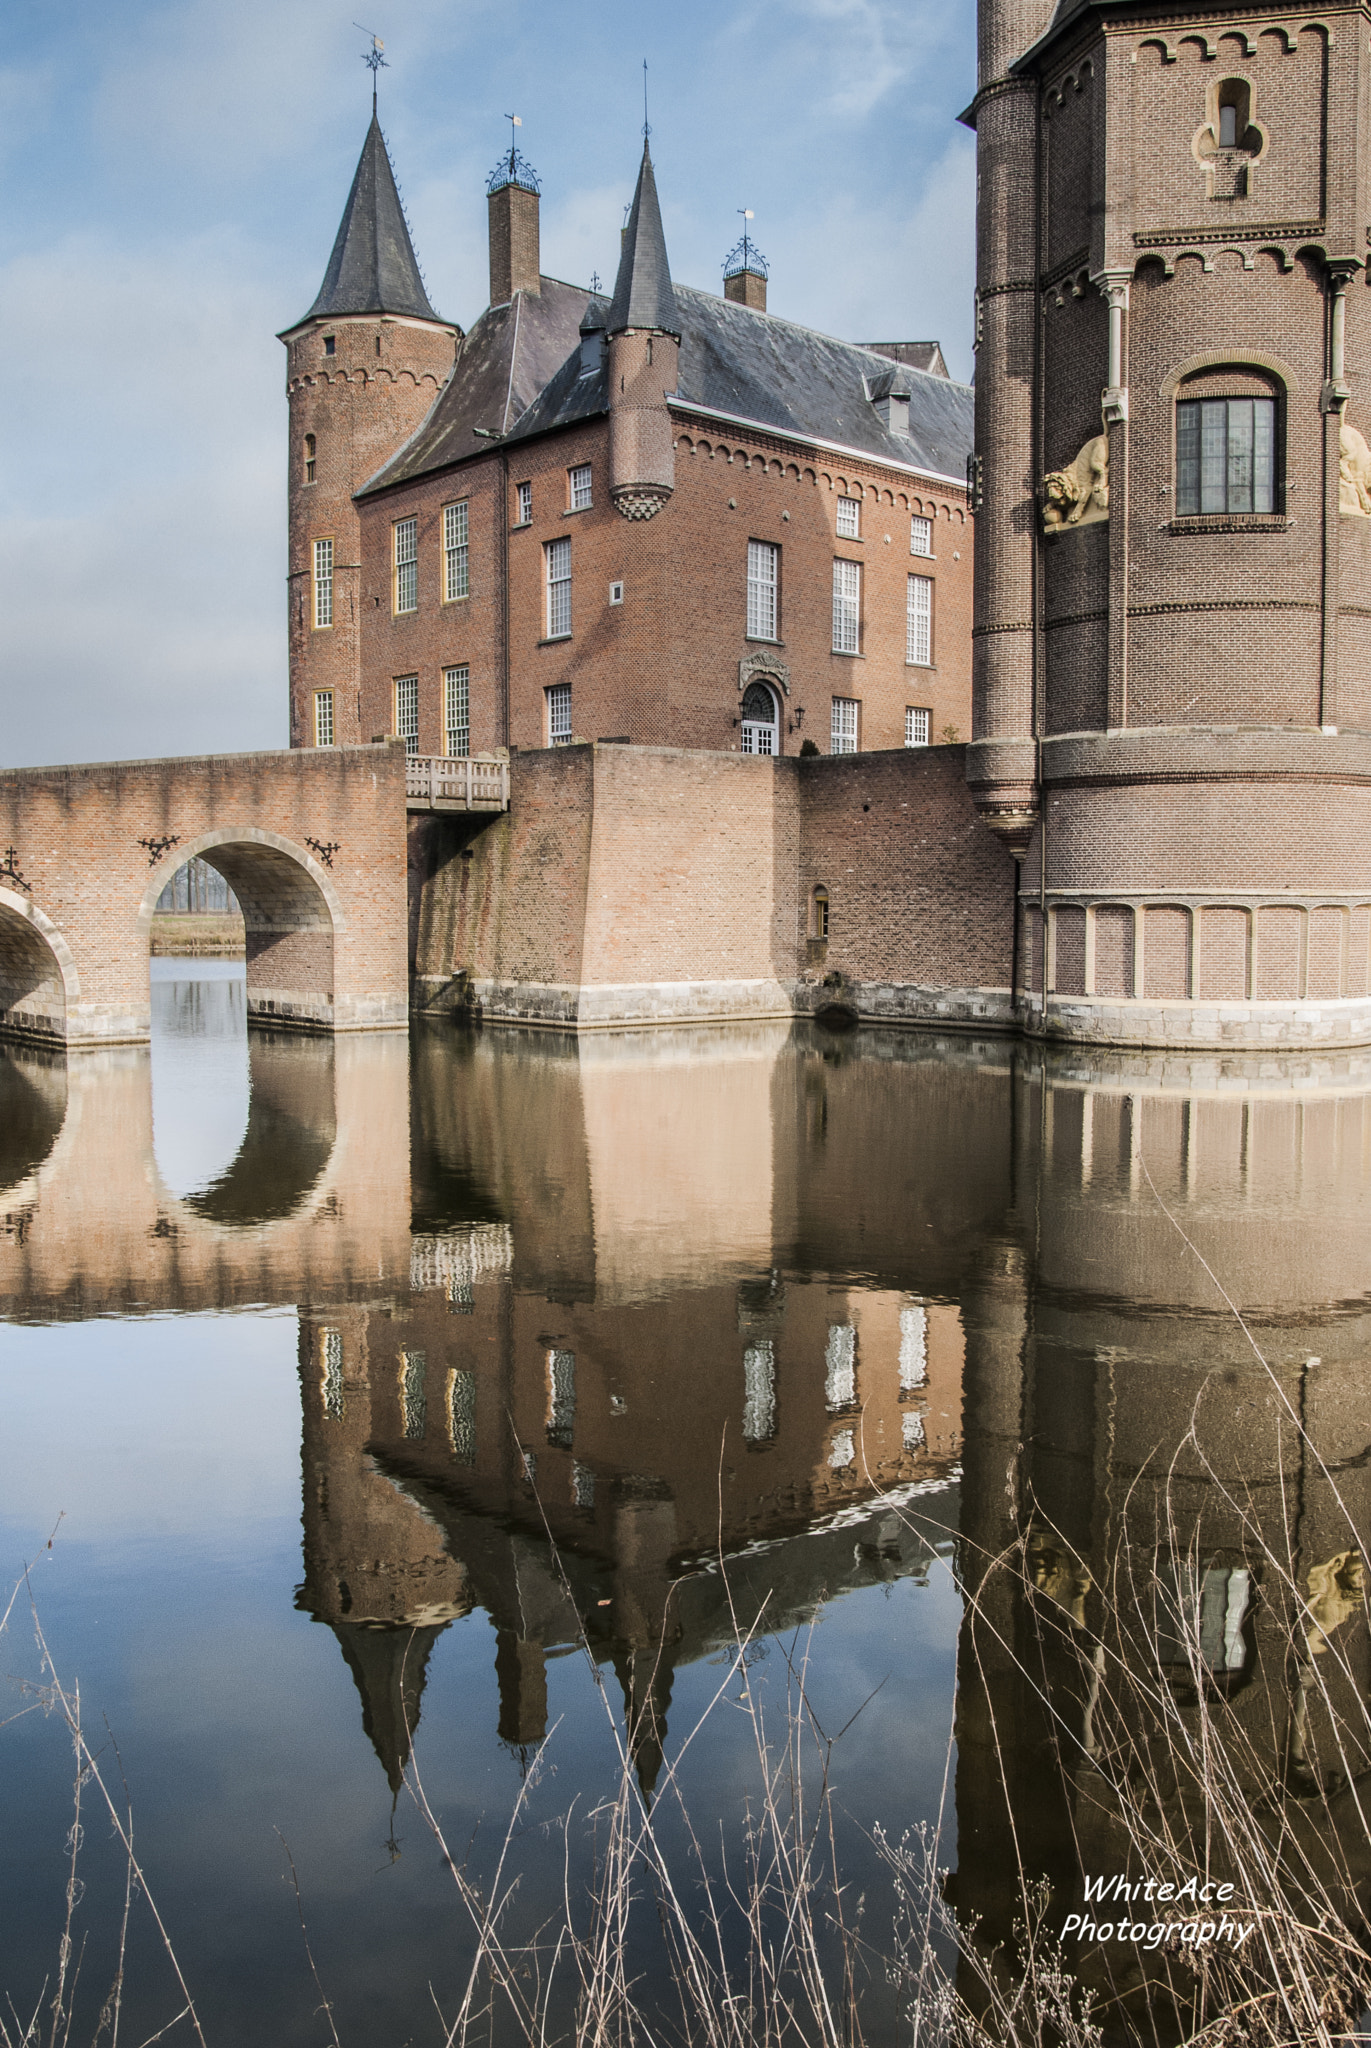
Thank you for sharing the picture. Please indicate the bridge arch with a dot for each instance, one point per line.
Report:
(39, 983)
(291, 915)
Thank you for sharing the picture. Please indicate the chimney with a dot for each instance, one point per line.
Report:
(745, 271)
(747, 288)
(512, 201)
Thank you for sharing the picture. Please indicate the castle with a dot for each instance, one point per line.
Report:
(653, 516)
(1170, 673)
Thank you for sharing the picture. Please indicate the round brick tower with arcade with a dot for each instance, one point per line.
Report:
(1172, 670)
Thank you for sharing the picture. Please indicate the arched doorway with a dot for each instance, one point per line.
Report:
(761, 720)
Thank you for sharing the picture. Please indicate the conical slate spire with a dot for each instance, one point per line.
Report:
(373, 268)
(642, 292)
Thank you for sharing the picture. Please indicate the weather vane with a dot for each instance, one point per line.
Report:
(646, 127)
(373, 59)
(747, 214)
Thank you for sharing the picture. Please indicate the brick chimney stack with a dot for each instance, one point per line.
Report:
(512, 202)
(746, 288)
(745, 271)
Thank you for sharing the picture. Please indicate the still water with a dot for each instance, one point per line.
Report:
(395, 1403)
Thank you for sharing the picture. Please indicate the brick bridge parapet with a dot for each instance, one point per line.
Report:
(312, 842)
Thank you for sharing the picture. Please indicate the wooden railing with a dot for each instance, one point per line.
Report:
(456, 782)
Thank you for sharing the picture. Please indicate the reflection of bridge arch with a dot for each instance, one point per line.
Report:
(288, 1143)
(291, 915)
(38, 977)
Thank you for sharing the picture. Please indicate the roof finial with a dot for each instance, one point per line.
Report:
(374, 60)
(647, 130)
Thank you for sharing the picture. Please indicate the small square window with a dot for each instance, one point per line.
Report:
(524, 493)
(917, 721)
(849, 518)
(580, 487)
(920, 536)
(616, 593)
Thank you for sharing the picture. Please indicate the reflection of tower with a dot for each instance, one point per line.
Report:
(375, 1566)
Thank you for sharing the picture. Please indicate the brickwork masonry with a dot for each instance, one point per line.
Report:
(632, 885)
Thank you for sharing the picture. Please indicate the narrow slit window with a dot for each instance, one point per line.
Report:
(331, 1374)
(310, 446)
(323, 583)
(413, 1394)
(323, 718)
(558, 589)
(407, 712)
(763, 576)
(457, 709)
(406, 565)
(919, 622)
(461, 1416)
(456, 558)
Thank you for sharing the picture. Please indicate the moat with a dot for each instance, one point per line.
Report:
(441, 1404)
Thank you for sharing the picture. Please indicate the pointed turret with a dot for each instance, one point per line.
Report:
(363, 366)
(373, 268)
(644, 332)
(389, 1666)
(643, 296)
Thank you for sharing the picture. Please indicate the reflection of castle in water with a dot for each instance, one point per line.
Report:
(731, 1290)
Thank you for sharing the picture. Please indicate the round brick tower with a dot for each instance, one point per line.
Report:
(1173, 561)
(362, 369)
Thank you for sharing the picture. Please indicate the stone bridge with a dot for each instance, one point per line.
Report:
(311, 841)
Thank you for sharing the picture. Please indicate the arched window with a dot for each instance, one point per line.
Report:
(1230, 435)
(309, 458)
(761, 720)
(818, 913)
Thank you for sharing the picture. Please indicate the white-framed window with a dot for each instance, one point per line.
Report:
(558, 553)
(331, 1374)
(913, 1348)
(323, 718)
(920, 536)
(561, 1398)
(917, 720)
(406, 565)
(849, 518)
(457, 709)
(559, 715)
(323, 583)
(413, 1393)
(759, 725)
(524, 497)
(311, 447)
(579, 480)
(461, 1415)
(456, 554)
(843, 729)
(847, 607)
(919, 622)
(759, 1392)
(840, 1368)
(616, 593)
(763, 580)
(407, 712)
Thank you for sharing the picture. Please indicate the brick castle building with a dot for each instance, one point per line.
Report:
(1173, 663)
(655, 516)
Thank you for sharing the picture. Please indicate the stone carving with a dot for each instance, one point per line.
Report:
(763, 665)
(1078, 496)
(1354, 473)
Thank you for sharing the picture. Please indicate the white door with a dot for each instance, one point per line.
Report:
(761, 720)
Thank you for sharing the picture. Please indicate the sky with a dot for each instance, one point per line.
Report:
(174, 177)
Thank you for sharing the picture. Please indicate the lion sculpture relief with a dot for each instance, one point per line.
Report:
(1080, 495)
(1354, 473)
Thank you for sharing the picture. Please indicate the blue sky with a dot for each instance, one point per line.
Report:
(174, 176)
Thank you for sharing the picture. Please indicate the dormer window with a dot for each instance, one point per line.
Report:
(890, 394)
(309, 458)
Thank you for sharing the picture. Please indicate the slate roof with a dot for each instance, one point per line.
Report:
(506, 359)
(642, 291)
(759, 368)
(373, 268)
